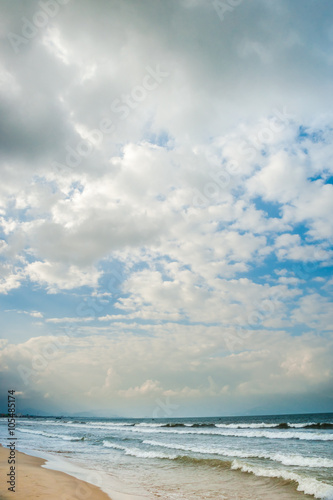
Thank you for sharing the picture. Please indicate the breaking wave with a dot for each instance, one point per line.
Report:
(50, 435)
(309, 486)
(285, 459)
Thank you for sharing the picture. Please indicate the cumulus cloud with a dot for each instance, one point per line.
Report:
(55, 276)
(165, 172)
(183, 361)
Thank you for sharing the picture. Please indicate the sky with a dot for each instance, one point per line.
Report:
(166, 206)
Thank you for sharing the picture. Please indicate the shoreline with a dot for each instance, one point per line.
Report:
(44, 475)
(33, 480)
(47, 469)
(90, 478)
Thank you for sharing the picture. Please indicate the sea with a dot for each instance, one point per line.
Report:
(239, 458)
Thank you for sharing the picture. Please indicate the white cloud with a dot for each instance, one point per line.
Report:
(69, 320)
(10, 278)
(206, 180)
(182, 364)
(55, 276)
(289, 247)
(314, 311)
(34, 314)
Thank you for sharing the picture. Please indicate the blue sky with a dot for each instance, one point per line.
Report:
(166, 207)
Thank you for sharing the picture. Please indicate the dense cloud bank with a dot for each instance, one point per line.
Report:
(165, 203)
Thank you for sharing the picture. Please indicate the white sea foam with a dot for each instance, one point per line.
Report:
(83, 424)
(103, 425)
(136, 452)
(128, 425)
(285, 459)
(279, 434)
(48, 434)
(300, 425)
(197, 449)
(264, 425)
(91, 425)
(299, 434)
(107, 444)
(245, 426)
(301, 461)
(146, 424)
(310, 486)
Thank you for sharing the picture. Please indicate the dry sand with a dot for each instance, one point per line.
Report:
(35, 482)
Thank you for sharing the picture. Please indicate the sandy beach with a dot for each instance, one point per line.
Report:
(33, 481)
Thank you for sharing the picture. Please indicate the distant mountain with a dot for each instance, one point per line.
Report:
(59, 413)
(95, 414)
(33, 411)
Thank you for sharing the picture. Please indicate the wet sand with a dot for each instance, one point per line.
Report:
(35, 482)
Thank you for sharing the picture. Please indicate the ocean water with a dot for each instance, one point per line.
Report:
(238, 458)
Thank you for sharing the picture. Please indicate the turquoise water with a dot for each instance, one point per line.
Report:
(221, 457)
